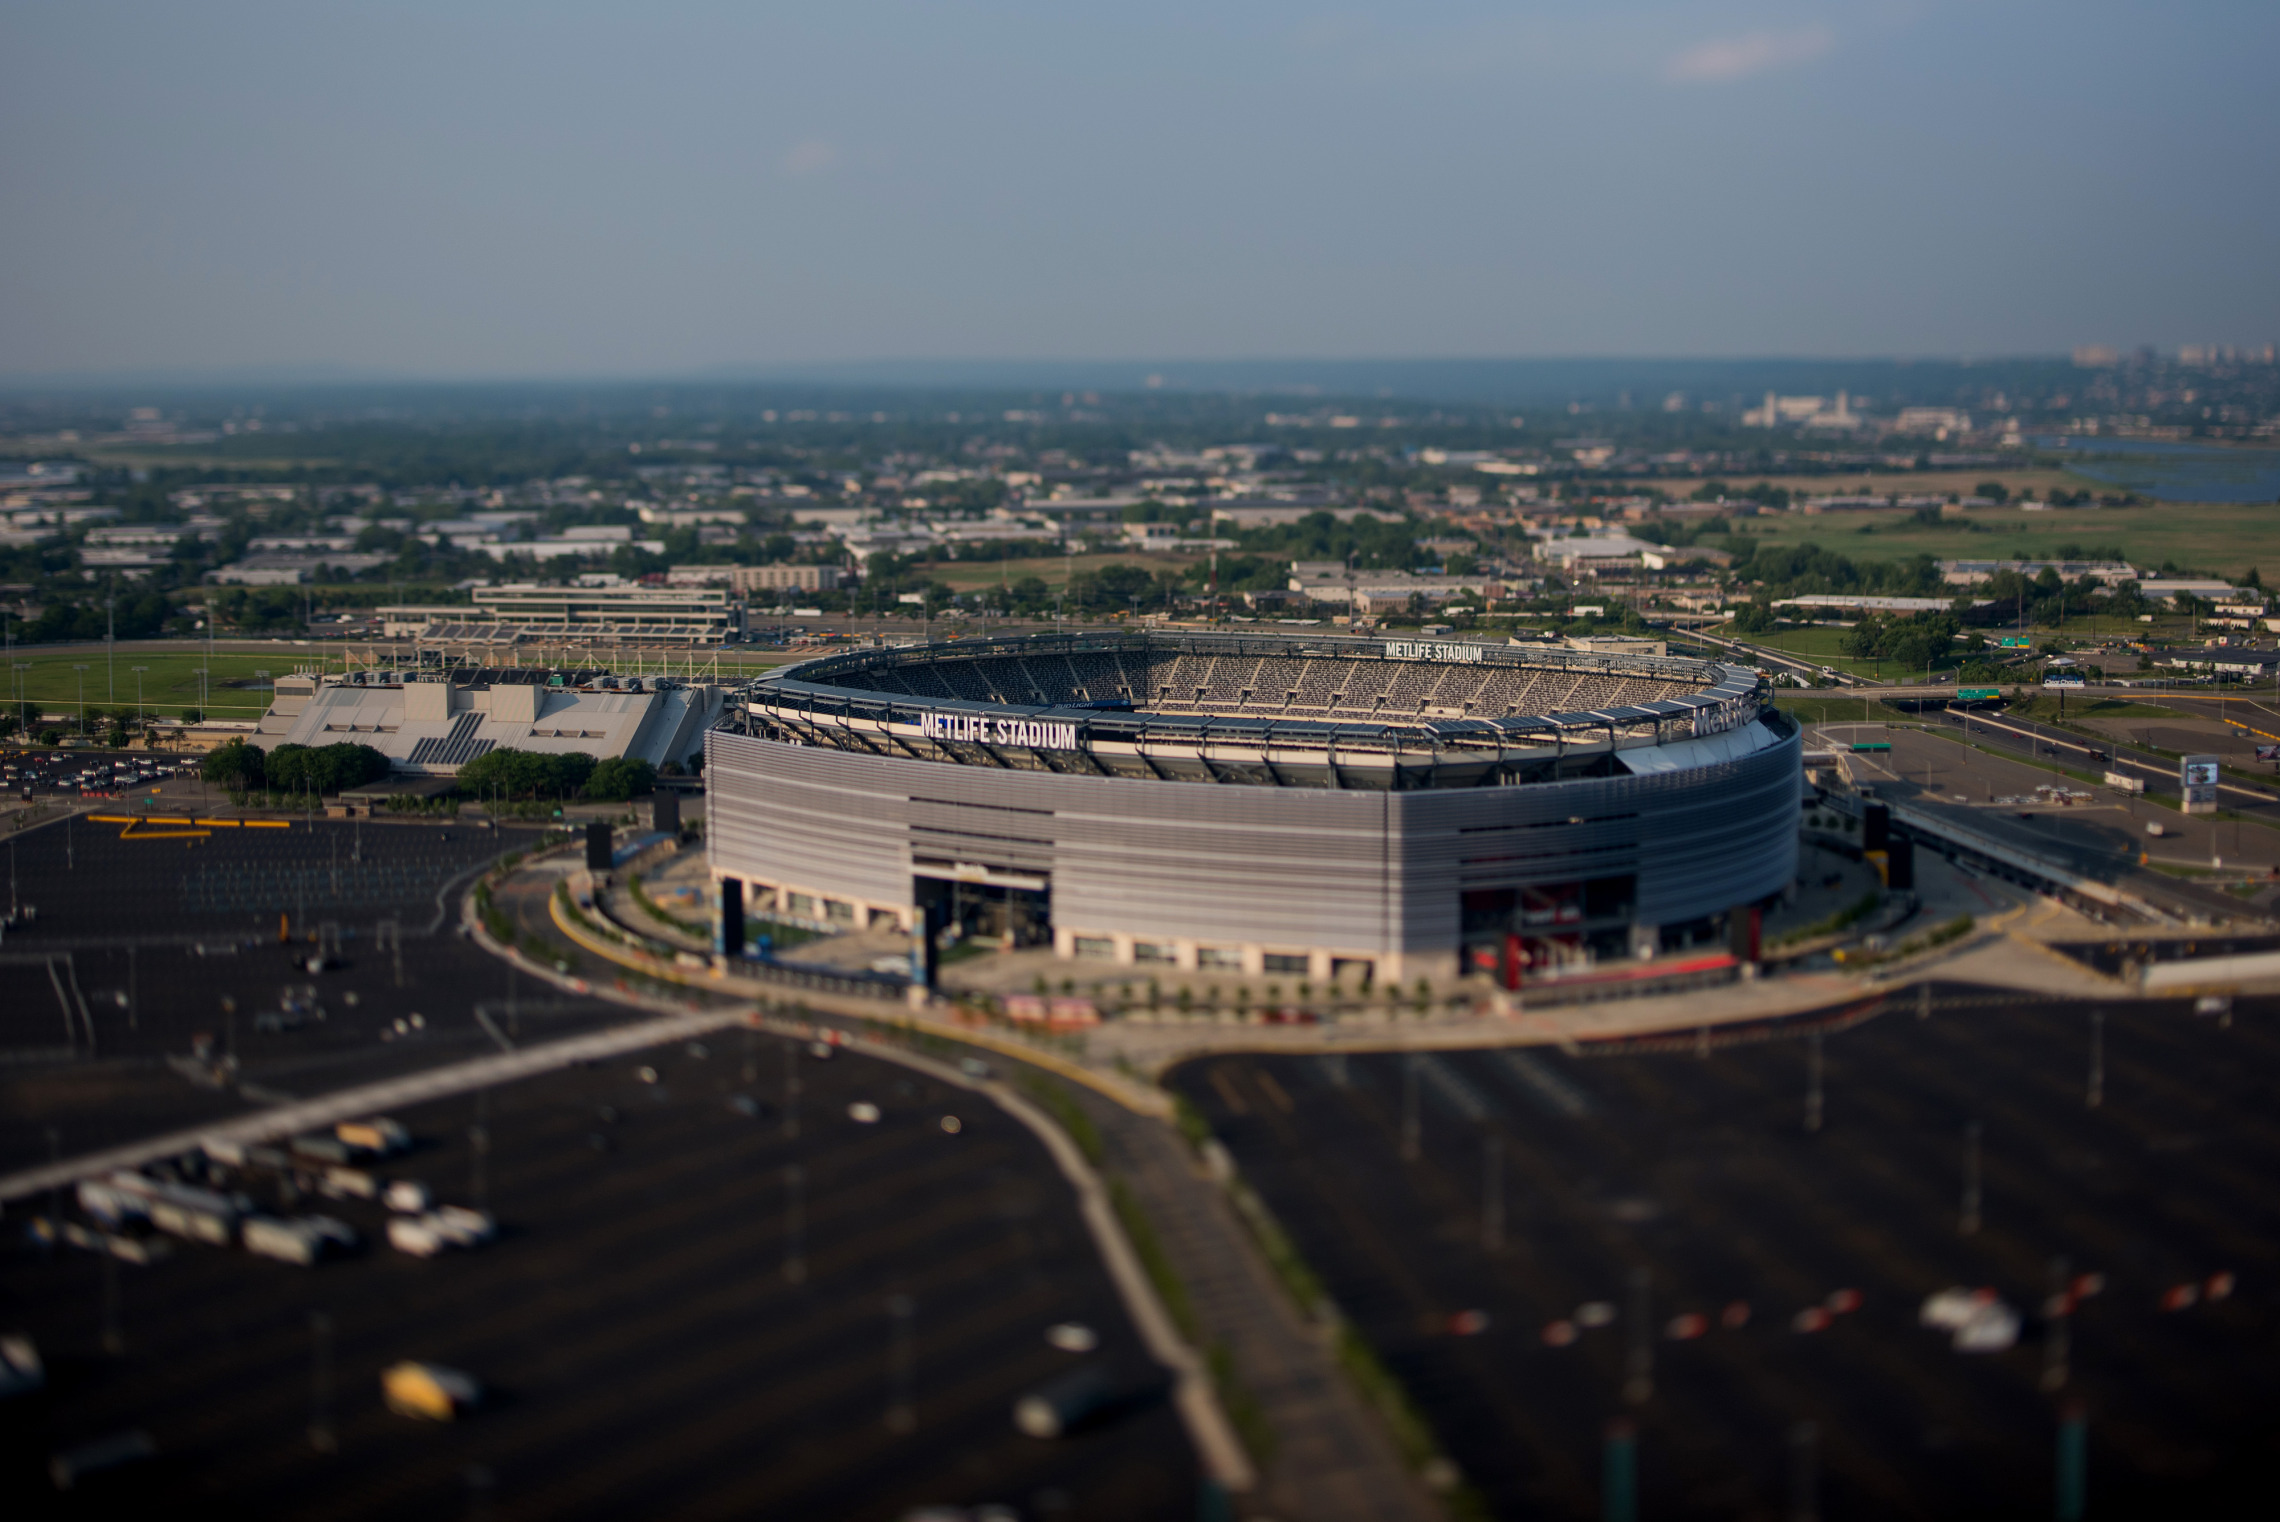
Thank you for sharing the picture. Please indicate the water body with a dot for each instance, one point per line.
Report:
(2174, 472)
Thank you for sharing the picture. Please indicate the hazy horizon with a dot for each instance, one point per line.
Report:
(516, 192)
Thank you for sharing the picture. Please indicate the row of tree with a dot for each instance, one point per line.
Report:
(503, 773)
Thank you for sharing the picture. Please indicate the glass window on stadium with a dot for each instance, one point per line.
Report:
(991, 912)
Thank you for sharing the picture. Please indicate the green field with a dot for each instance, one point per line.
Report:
(2220, 538)
(170, 682)
(1820, 645)
(1817, 708)
(1053, 570)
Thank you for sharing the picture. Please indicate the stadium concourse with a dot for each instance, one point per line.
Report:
(1330, 809)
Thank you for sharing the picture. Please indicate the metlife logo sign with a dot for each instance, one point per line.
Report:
(988, 729)
(1432, 650)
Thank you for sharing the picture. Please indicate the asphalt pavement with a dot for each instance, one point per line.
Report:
(645, 1351)
(148, 950)
(1567, 1223)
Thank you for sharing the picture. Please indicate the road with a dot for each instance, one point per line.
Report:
(2103, 837)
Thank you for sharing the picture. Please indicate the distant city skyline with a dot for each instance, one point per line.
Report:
(523, 192)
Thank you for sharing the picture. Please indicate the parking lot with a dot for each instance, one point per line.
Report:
(1502, 1272)
(645, 1352)
(148, 950)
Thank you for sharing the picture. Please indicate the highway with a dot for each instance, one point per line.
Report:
(2102, 837)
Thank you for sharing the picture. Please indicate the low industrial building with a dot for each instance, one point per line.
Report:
(434, 722)
(547, 614)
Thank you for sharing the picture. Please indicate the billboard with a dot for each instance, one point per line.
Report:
(2268, 753)
(2197, 780)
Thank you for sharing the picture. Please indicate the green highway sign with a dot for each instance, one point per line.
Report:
(1977, 694)
(2016, 642)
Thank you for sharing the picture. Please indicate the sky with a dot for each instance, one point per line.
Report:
(475, 190)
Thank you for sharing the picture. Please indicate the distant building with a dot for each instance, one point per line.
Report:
(2167, 588)
(291, 570)
(504, 616)
(1970, 573)
(757, 578)
(1596, 553)
(1841, 603)
(1381, 591)
(1937, 422)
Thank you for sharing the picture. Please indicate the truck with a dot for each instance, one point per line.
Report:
(407, 1196)
(305, 1240)
(379, 1136)
(323, 1148)
(447, 1226)
(345, 1183)
(428, 1392)
(197, 1215)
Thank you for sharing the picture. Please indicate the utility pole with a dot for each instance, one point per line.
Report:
(902, 1411)
(1409, 1126)
(1813, 1082)
(1639, 1362)
(321, 1434)
(1971, 1192)
(2096, 1094)
(795, 1226)
(1492, 1195)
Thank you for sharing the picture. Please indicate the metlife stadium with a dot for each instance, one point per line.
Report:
(1325, 808)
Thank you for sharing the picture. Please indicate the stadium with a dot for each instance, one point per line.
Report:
(1330, 808)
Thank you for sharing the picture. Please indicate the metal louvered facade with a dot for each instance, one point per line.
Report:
(1280, 877)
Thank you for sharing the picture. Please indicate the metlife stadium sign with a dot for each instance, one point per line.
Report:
(1431, 650)
(988, 729)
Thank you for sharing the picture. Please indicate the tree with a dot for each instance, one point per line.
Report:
(620, 778)
(526, 773)
(325, 769)
(235, 765)
(1993, 491)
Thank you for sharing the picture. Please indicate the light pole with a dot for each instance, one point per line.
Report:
(82, 670)
(142, 720)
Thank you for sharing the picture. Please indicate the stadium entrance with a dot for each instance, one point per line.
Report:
(981, 904)
(1511, 933)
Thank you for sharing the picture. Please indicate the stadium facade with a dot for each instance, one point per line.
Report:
(1326, 808)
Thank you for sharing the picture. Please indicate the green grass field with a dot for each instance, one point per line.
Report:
(1053, 570)
(1817, 709)
(2220, 538)
(170, 682)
